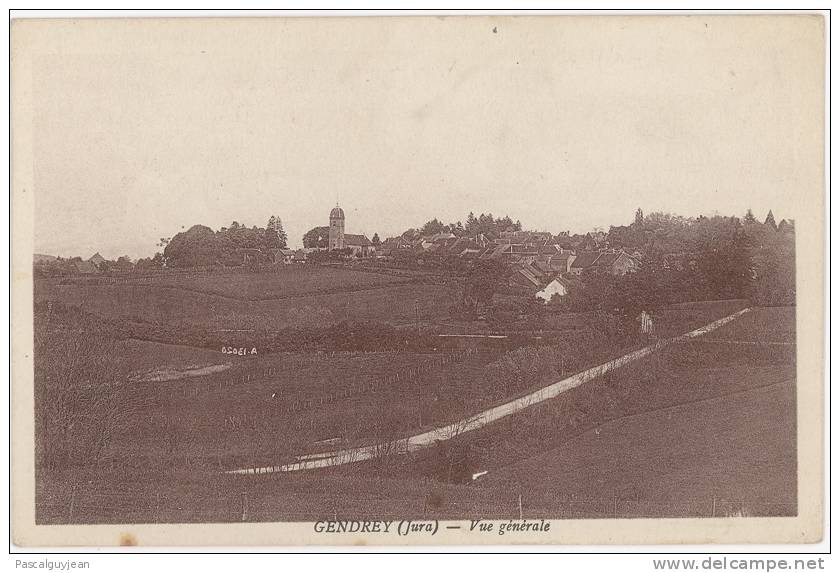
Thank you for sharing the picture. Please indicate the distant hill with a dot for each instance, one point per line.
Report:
(38, 258)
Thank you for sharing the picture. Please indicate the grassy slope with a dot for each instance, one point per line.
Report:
(653, 454)
(739, 449)
(774, 324)
(150, 303)
(285, 282)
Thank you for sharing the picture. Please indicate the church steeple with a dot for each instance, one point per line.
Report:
(336, 227)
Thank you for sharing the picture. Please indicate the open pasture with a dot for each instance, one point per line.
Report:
(199, 412)
(394, 303)
(762, 324)
(265, 408)
(676, 319)
(636, 443)
(719, 417)
(286, 281)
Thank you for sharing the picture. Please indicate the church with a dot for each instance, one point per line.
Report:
(360, 245)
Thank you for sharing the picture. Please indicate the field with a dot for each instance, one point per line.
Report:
(192, 413)
(297, 297)
(286, 282)
(705, 427)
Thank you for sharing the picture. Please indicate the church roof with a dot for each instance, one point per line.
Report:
(356, 240)
(337, 213)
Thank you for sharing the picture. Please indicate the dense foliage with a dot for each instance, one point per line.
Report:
(693, 259)
(317, 238)
(200, 246)
(484, 224)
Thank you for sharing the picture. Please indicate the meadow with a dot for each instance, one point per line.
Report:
(284, 281)
(193, 302)
(179, 433)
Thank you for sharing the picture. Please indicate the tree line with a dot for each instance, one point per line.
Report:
(693, 259)
(229, 246)
(484, 224)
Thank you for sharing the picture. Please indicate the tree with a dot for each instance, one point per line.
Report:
(482, 283)
(472, 224)
(146, 264)
(123, 264)
(749, 218)
(640, 218)
(770, 220)
(317, 238)
(82, 400)
(159, 260)
(198, 246)
(773, 265)
(785, 226)
(432, 227)
(505, 224)
(376, 240)
(275, 235)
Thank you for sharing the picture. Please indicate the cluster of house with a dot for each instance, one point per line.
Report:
(538, 260)
(83, 267)
(290, 256)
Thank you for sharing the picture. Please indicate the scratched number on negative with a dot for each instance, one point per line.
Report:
(238, 351)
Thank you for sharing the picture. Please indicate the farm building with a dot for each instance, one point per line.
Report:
(557, 287)
(393, 245)
(249, 255)
(96, 260)
(85, 267)
(584, 261)
(359, 244)
(526, 275)
(561, 262)
(524, 237)
(285, 256)
(610, 262)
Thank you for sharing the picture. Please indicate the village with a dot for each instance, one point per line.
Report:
(539, 264)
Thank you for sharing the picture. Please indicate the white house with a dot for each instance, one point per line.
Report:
(557, 286)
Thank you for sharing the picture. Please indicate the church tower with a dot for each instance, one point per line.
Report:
(336, 228)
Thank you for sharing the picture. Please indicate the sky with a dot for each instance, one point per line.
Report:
(142, 129)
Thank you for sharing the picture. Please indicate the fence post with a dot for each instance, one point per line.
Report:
(72, 501)
(244, 506)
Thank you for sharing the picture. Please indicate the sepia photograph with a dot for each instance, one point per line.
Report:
(418, 280)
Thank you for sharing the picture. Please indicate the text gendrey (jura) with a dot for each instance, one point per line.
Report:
(430, 527)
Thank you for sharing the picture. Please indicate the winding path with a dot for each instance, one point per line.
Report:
(480, 419)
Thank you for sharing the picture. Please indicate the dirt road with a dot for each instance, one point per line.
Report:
(480, 419)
